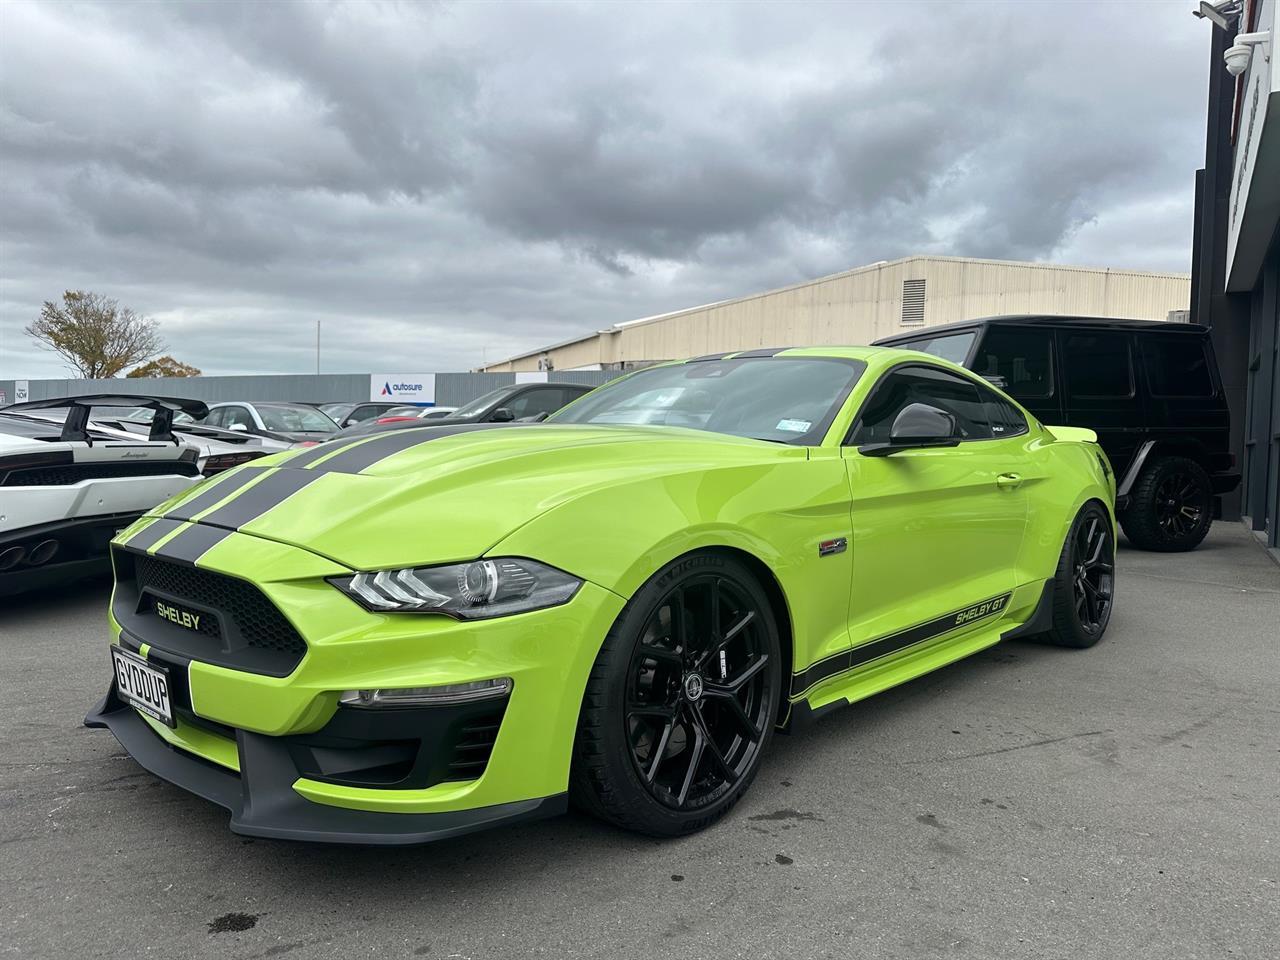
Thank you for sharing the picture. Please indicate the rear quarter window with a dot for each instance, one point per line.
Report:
(1177, 366)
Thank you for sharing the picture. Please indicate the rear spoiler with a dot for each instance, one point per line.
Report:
(75, 427)
(1076, 434)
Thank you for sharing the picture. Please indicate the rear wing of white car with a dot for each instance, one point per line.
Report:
(75, 427)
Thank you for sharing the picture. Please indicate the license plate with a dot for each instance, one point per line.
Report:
(142, 685)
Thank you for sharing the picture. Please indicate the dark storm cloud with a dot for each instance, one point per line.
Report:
(438, 183)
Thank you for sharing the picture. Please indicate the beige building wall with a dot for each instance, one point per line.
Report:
(864, 304)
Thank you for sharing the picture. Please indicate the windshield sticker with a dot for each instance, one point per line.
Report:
(795, 426)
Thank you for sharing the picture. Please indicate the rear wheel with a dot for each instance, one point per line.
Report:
(1084, 585)
(681, 702)
(1171, 506)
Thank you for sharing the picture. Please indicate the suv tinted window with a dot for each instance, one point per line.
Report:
(1177, 366)
(938, 388)
(1022, 358)
(953, 347)
(1098, 365)
(539, 400)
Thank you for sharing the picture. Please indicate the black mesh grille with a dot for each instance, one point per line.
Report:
(260, 624)
(475, 743)
(62, 475)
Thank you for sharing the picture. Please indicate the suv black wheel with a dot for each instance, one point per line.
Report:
(1171, 506)
(682, 700)
(1084, 585)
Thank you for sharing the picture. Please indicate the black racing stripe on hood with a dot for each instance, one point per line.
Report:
(192, 543)
(270, 492)
(157, 530)
(324, 449)
(355, 459)
(217, 490)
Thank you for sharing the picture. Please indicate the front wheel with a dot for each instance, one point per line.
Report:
(681, 702)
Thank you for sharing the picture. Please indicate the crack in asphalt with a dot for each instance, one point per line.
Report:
(1019, 746)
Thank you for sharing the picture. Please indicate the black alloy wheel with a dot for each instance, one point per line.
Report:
(682, 700)
(1083, 588)
(697, 703)
(1094, 568)
(1180, 504)
(1171, 506)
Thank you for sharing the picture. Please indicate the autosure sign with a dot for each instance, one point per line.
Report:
(404, 387)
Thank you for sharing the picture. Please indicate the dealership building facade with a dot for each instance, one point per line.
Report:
(1236, 260)
(863, 304)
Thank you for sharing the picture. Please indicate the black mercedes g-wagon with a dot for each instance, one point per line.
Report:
(1149, 389)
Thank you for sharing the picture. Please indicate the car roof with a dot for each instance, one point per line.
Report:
(1033, 319)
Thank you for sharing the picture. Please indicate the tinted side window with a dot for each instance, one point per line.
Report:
(953, 347)
(214, 419)
(1177, 366)
(1021, 358)
(938, 388)
(1097, 365)
(1006, 420)
(540, 400)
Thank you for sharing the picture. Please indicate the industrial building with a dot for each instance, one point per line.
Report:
(1236, 260)
(866, 303)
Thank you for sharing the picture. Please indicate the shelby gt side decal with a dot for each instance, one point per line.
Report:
(875, 649)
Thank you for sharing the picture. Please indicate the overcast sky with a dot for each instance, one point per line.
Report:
(443, 183)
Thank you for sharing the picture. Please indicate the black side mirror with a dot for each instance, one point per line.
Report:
(502, 415)
(916, 426)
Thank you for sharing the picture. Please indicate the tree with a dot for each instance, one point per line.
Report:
(164, 366)
(95, 335)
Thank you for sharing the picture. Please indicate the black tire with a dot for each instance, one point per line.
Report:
(1084, 584)
(1171, 506)
(658, 752)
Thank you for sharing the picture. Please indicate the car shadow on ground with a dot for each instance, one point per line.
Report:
(577, 841)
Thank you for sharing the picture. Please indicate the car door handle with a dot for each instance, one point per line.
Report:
(1008, 480)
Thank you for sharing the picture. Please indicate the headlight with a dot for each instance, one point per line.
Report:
(469, 591)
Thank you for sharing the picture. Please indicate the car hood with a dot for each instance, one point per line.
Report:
(444, 494)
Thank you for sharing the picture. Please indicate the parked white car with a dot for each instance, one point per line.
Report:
(67, 485)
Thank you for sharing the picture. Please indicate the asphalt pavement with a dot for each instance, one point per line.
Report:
(1030, 802)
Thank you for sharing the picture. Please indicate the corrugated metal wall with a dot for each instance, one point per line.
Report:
(452, 389)
(862, 305)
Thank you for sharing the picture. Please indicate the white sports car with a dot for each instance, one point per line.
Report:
(67, 487)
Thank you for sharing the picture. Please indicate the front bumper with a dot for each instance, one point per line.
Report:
(262, 799)
(250, 721)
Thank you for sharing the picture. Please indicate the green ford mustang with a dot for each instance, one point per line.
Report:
(412, 635)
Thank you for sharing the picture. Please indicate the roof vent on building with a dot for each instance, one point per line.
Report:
(912, 301)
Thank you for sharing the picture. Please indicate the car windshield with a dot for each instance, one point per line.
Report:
(782, 399)
(296, 419)
(480, 403)
(337, 411)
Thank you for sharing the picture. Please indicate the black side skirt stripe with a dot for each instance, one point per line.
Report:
(366, 455)
(148, 538)
(216, 491)
(261, 497)
(192, 543)
(875, 649)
